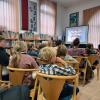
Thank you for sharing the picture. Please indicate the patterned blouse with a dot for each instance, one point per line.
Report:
(53, 69)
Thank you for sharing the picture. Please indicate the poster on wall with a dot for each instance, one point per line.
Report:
(74, 19)
(32, 12)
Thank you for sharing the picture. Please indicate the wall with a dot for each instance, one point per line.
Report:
(60, 19)
(63, 19)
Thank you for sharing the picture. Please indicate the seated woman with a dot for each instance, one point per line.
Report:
(32, 52)
(48, 56)
(22, 60)
(75, 51)
(62, 53)
(90, 49)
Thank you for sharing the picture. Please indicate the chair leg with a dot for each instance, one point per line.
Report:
(98, 72)
(84, 80)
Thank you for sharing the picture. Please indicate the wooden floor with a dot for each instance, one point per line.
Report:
(90, 91)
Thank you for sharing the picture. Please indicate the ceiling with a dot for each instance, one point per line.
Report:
(68, 3)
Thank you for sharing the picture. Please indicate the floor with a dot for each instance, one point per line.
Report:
(90, 91)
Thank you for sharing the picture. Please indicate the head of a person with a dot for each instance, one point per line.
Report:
(58, 42)
(76, 42)
(48, 55)
(2, 40)
(20, 46)
(61, 51)
(89, 46)
(16, 57)
(29, 47)
(41, 46)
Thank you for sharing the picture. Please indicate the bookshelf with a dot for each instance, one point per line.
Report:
(29, 37)
(10, 38)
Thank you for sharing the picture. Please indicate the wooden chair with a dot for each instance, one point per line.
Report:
(84, 70)
(50, 86)
(92, 58)
(16, 77)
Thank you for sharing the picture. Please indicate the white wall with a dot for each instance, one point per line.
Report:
(63, 19)
(59, 20)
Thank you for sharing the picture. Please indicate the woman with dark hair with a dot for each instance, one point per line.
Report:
(90, 49)
(76, 42)
(75, 51)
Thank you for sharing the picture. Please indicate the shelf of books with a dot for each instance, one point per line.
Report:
(29, 37)
(11, 38)
(34, 38)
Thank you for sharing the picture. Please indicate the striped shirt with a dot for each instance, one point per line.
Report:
(52, 69)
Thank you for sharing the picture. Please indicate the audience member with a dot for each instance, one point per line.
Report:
(32, 52)
(75, 51)
(48, 55)
(62, 53)
(22, 60)
(57, 43)
(90, 49)
(98, 49)
(4, 57)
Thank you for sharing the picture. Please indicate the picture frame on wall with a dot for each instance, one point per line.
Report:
(32, 10)
(74, 19)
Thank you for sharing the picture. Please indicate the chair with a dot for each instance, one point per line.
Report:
(84, 70)
(92, 58)
(16, 77)
(50, 86)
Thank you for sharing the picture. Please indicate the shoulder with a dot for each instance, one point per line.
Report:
(27, 57)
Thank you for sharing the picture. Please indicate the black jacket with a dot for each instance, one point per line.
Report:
(4, 57)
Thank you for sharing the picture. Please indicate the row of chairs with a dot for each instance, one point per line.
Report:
(89, 62)
(49, 86)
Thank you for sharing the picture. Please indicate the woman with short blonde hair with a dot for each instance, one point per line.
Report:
(48, 55)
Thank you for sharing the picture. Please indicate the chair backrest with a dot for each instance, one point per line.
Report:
(52, 85)
(16, 75)
(79, 59)
(92, 58)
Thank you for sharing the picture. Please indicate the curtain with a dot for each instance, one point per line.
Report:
(9, 15)
(24, 14)
(47, 17)
(91, 17)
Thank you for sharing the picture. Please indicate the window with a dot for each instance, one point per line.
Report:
(92, 18)
(47, 17)
(9, 15)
